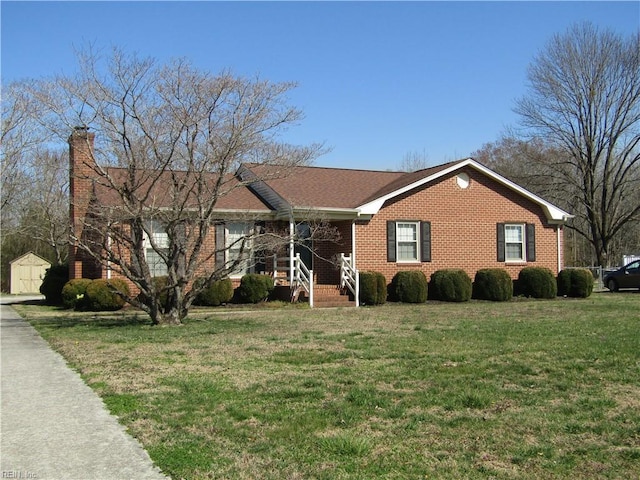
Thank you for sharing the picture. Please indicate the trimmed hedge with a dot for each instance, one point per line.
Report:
(409, 287)
(254, 288)
(216, 293)
(101, 295)
(493, 284)
(450, 285)
(74, 291)
(373, 288)
(537, 282)
(53, 282)
(575, 282)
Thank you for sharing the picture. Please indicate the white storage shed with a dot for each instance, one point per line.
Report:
(27, 272)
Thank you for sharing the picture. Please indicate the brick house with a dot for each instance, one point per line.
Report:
(456, 215)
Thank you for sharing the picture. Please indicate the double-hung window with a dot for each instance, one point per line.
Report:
(408, 241)
(238, 246)
(516, 242)
(157, 242)
(234, 249)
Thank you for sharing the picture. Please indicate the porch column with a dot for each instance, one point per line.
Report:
(353, 244)
(292, 229)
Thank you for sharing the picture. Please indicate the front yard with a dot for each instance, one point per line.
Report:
(522, 389)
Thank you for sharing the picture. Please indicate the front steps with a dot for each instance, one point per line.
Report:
(325, 296)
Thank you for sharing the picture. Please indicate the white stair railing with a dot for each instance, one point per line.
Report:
(302, 279)
(349, 277)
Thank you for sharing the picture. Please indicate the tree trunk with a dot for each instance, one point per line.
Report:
(172, 317)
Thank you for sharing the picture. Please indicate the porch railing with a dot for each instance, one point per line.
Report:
(296, 274)
(302, 279)
(349, 277)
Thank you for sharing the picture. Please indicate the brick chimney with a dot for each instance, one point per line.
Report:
(81, 171)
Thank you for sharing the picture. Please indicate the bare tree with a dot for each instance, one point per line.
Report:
(34, 201)
(414, 161)
(584, 99)
(168, 141)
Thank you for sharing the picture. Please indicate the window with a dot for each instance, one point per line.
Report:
(238, 246)
(235, 239)
(156, 243)
(408, 241)
(516, 242)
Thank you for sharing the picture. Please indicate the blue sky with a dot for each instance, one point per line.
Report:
(377, 80)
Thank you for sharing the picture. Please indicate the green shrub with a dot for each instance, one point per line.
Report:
(537, 282)
(409, 287)
(254, 288)
(373, 288)
(101, 295)
(216, 293)
(73, 292)
(575, 282)
(53, 282)
(450, 285)
(493, 284)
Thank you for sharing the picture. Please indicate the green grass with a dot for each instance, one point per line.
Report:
(522, 389)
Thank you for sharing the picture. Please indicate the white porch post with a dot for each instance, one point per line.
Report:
(292, 227)
(353, 263)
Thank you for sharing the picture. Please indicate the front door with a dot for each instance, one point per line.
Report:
(304, 244)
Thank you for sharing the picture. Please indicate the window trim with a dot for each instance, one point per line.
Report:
(223, 258)
(423, 241)
(528, 242)
(155, 228)
(415, 241)
(522, 243)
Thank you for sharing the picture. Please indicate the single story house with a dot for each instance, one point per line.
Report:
(459, 214)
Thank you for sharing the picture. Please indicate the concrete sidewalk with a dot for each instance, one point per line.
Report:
(53, 425)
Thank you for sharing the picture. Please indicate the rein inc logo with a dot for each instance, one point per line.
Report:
(18, 474)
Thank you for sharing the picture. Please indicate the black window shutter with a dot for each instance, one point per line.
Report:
(500, 241)
(531, 242)
(391, 241)
(220, 246)
(425, 241)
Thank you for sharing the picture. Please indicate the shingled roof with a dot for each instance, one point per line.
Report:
(337, 192)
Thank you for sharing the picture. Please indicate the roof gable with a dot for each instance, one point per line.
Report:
(422, 177)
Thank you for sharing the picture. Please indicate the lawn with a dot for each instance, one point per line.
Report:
(524, 389)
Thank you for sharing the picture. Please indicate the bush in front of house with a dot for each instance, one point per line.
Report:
(537, 282)
(217, 293)
(254, 288)
(74, 291)
(450, 285)
(493, 284)
(575, 282)
(101, 295)
(373, 288)
(53, 282)
(409, 287)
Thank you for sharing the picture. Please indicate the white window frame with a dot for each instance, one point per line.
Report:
(522, 242)
(404, 241)
(161, 240)
(248, 228)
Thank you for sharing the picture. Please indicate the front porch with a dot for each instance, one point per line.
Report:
(295, 282)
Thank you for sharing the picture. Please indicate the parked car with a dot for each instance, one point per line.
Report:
(625, 277)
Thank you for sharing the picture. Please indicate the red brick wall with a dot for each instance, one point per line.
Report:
(463, 227)
(80, 188)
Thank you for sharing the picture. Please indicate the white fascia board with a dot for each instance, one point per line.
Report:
(553, 213)
(330, 213)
